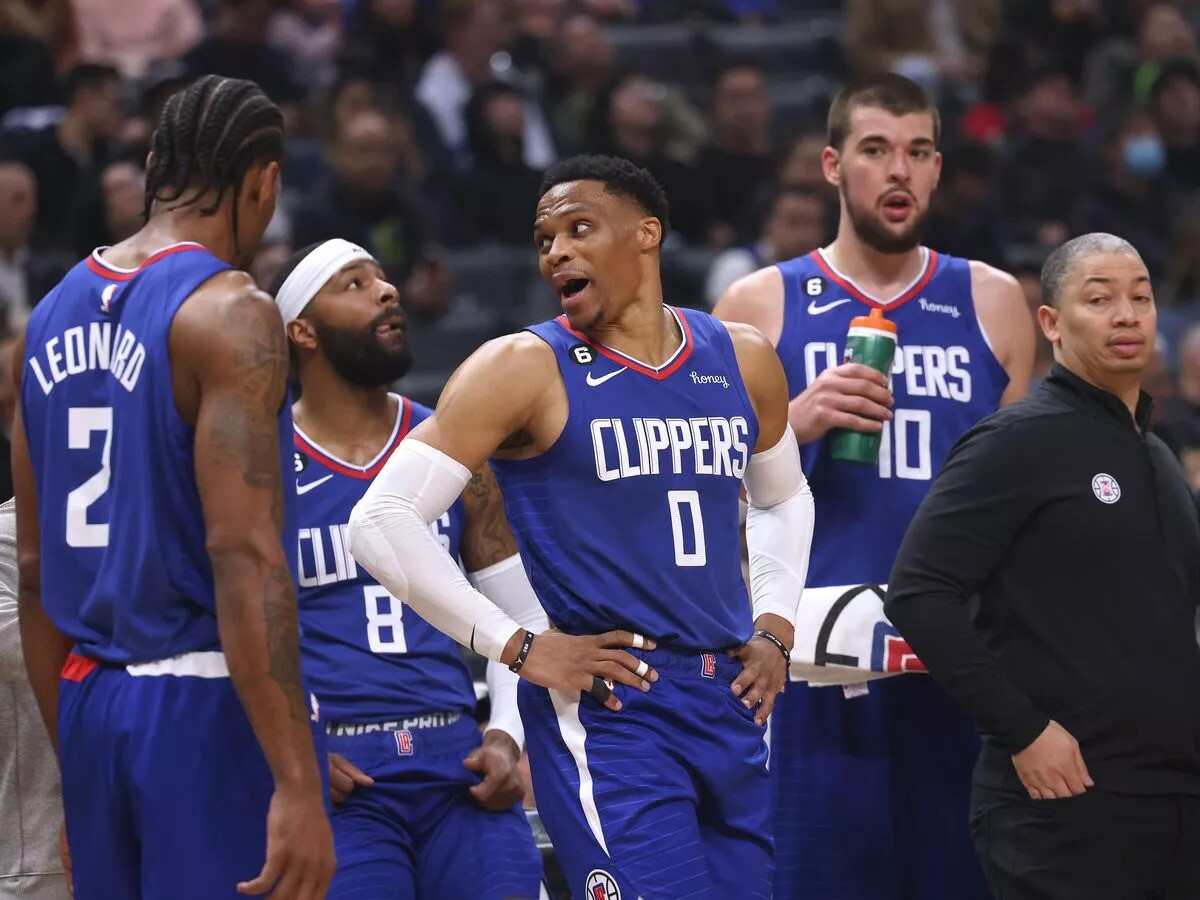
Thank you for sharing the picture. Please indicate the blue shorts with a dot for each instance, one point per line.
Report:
(416, 834)
(667, 798)
(872, 794)
(164, 785)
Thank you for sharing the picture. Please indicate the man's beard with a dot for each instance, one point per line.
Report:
(358, 356)
(876, 235)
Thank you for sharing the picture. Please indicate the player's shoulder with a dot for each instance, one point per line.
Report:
(991, 284)
(230, 302)
(522, 353)
(755, 299)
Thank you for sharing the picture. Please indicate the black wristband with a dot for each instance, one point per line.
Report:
(787, 656)
(523, 653)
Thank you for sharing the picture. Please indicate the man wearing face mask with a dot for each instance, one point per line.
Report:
(1130, 195)
(1075, 529)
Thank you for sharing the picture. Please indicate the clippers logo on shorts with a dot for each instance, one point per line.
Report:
(601, 886)
(404, 742)
(708, 665)
(1106, 489)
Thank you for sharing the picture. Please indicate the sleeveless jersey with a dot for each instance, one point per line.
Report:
(630, 520)
(366, 657)
(944, 379)
(124, 569)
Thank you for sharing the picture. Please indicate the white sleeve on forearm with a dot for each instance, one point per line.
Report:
(506, 584)
(779, 528)
(390, 538)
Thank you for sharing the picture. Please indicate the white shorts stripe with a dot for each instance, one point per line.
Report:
(201, 664)
(574, 735)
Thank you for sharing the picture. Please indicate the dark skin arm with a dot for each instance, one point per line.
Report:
(488, 539)
(45, 647)
(230, 370)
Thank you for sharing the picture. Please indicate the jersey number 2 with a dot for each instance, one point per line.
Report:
(81, 422)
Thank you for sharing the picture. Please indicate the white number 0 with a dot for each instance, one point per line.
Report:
(81, 422)
(676, 500)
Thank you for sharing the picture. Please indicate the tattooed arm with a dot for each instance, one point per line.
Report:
(230, 368)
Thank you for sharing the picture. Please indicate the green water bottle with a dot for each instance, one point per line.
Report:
(871, 341)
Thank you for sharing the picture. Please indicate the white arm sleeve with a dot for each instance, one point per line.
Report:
(779, 528)
(390, 538)
(506, 584)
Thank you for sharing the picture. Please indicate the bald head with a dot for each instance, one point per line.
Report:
(1061, 263)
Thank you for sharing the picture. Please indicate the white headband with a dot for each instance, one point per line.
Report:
(310, 276)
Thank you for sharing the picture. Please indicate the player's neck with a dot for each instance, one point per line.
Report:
(351, 422)
(645, 330)
(174, 227)
(879, 274)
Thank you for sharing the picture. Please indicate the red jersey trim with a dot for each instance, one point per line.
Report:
(341, 468)
(104, 270)
(682, 355)
(78, 667)
(931, 265)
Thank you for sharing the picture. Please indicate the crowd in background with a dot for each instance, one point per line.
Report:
(420, 129)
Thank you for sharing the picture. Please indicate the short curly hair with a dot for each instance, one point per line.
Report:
(619, 176)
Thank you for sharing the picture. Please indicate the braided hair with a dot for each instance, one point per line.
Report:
(208, 136)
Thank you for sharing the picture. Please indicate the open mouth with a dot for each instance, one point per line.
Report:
(393, 327)
(897, 206)
(572, 287)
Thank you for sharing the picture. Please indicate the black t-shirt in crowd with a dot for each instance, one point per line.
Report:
(1075, 530)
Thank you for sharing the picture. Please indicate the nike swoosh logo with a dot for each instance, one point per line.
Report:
(815, 310)
(302, 489)
(594, 382)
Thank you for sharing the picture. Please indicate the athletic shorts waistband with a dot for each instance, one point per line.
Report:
(410, 723)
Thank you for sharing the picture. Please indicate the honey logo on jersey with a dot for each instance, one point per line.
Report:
(709, 379)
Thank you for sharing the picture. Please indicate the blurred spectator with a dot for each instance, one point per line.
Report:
(27, 76)
(611, 10)
(797, 222)
(494, 199)
(123, 190)
(1129, 196)
(738, 164)
(800, 163)
(310, 33)
(389, 40)
(66, 158)
(237, 47)
(926, 41)
(1046, 166)
(474, 32)
(1024, 262)
(535, 23)
(1182, 287)
(1122, 70)
(1175, 105)
(962, 221)
(1178, 417)
(365, 200)
(581, 63)
(130, 34)
(631, 119)
(25, 274)
(1037, 32)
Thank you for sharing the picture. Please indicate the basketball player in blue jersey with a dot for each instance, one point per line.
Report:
(621, 433)
(414, 783)
(872, 780)
(149, 441)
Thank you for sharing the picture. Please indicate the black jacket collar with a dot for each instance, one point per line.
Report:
(1061, 376)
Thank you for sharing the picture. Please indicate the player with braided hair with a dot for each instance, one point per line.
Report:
(157, 608)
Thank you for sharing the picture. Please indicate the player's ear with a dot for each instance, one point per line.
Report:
(937, 168)
(831, 166)
(1047, 317)
(301, 333)
(649, 234)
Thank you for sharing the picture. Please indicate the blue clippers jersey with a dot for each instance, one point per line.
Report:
(945, 378)
(124, 568)
(630, 520)
(366, 657)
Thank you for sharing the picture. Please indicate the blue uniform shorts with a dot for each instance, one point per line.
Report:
(872, 794)
(667, 798)
(164, 785)
(416, 834)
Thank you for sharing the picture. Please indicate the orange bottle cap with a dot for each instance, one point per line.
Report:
(875, 320)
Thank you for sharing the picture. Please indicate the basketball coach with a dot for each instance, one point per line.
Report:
(1050, 582)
